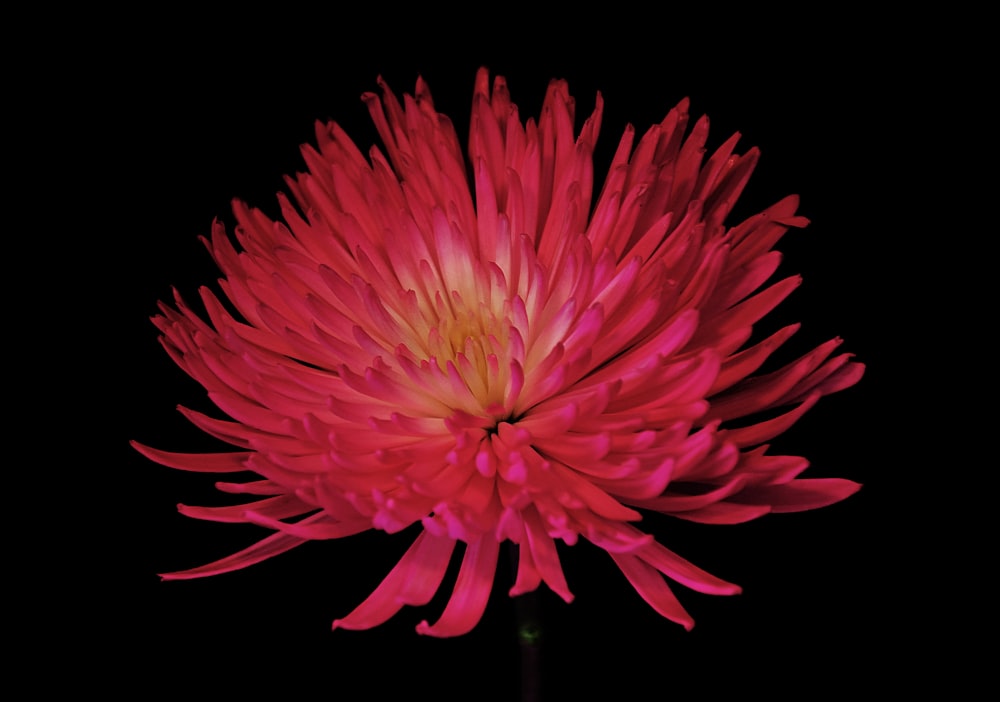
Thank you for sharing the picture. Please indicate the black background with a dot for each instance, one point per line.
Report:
(182, 116)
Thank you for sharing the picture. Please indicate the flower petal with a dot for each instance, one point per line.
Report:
(472, 590)
(197, 462)
(652, 588)
(799, 495)
(413, 581)
(260, 551)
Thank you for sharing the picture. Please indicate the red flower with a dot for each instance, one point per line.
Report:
(522, 364)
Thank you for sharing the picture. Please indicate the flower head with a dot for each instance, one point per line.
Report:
(484, 348)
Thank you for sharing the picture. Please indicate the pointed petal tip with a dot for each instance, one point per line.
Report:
(514, 591)
(191, 574)
(447, 631)
(565, 595)
(424, 628)
(345, 625)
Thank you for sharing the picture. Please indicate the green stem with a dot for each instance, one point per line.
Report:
(529, 637)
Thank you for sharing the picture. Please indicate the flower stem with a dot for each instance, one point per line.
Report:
(529, 636)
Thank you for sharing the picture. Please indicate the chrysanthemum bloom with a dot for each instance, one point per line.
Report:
(507, 361)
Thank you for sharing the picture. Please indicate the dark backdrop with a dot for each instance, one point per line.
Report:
(188, 116)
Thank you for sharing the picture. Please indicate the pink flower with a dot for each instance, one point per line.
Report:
(516, 361)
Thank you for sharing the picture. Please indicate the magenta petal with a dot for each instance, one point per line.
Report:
(544, 556)
(724, 513)
(674, 503)
(254, 487)
(413, 580)
(260, 551)
(800, 495)
(528, 578)
(652, 588)
(684, 572)
(426, 571)
(325, 529)
(765, 431)
(472, 590)
(198, 462)
(279, 507)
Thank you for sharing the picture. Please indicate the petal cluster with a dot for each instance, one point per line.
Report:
(485, 347)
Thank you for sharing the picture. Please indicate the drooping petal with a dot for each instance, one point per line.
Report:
(799, 495)
(197, 462)
(278, 507)
(413, 581)
(544, 556)
(472, 590)
(260, 551)
(652, 588)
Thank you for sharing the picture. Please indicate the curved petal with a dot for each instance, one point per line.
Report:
(652, 588)
(260, 551)
(472, 590)
(799, 495)
(413, 580)
(232, 462)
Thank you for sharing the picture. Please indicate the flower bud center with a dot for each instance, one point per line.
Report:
(474, 339)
